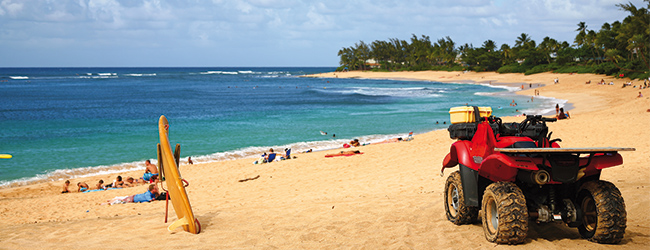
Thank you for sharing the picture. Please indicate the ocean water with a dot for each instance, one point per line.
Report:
(60, 123)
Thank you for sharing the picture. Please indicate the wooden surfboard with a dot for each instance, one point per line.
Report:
(174, 182)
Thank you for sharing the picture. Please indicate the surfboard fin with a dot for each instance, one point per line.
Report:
(180, 222)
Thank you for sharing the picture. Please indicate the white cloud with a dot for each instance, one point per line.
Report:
(8, 7)
(266, 27)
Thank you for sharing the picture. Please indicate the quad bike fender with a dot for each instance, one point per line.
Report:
(469, 178)
(458, 153)
(500, 167)
(604, 161)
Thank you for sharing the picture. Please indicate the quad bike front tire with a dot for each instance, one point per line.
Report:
(603, 212)
(455, 208)
(504, 213)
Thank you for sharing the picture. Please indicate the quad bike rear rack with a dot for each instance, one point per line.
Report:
(561, 150)
(546, 153)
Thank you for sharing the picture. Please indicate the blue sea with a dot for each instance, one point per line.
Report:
(61, 123)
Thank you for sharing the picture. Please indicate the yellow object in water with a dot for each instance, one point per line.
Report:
(174, 182)
(5, 156)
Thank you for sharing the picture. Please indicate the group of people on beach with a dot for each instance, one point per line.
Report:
(119, 182)
(150, 176)
(560, 114)
(271, 156)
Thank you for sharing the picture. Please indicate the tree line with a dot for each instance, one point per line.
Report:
(618, 48)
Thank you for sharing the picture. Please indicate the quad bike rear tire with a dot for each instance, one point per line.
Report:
(455, 208)
(603, 212)
(504, 213)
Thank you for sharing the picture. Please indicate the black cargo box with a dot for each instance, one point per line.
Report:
(466, 131)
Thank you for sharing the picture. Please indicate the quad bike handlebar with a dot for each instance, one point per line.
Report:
(533, 120)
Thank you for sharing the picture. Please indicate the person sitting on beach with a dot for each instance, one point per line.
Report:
(640, 95)
(65, 187)
(147, 196)
(270, 157)
(100, 185)
(117, 183)
(563, 115)
(287, 154)
(82, 186)
(150, 171)
(154, 179)
(355, 143)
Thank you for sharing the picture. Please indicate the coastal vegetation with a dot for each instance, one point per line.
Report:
(620, 48)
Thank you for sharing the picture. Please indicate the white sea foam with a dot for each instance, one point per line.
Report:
(394, 92)
(498, 86)
(135, 74)
(19, 77)
(219, 72)
(547, 106)
(63, 174)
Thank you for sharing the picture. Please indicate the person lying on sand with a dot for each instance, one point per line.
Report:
(344, 153)
(147, 196)
(130, 182)
(398, 139)
(82, 186)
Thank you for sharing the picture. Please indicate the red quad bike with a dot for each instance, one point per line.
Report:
(513, 173)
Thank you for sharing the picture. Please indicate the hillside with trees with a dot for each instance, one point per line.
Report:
(618, 48)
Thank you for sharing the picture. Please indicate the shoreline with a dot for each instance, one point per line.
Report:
(61, 175)
(514, 88)
(389, 197)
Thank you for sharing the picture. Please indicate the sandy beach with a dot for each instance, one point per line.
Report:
(389, 197)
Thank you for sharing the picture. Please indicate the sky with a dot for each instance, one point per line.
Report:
(274, 33)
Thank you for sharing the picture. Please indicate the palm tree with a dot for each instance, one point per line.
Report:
(489, 45)
(634, 31)
(548, 46)
(582, 33)
(346, 57)
(506, 52)
(363, 53)
(523, 40)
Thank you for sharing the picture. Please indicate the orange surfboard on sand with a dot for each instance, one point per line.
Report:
(174, 182)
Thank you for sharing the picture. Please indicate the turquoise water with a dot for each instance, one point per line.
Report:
(60, 123)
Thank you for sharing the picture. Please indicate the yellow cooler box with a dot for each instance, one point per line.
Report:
(466, 114)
